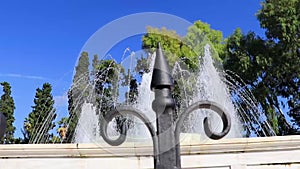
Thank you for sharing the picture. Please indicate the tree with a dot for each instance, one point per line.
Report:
(172, 44)
(78, 94)
(270, 66)
(62, 128)
(99, 87)
(247, 56)
(7, 107)
(95, 64)
(186, 51)
(187, 48)
(39, 123)
(281, 19)
(105, 85)
(201, 34)
(109, 78)
(106, 88)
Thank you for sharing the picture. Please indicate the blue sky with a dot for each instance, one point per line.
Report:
(41, 40)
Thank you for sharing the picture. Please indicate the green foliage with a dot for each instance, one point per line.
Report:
(171, 43)
(187, 48)
(186, 51)
(62, 130)
(142, 66)
(78, 94)
(7, 107)
(246, 53)
(270, 67)
(105, 85)
(133, 91)
(63, 122)
(39, 122)
(199, 35)
(95, 64)
(281, 19)
(74, 111)
(250, 57)
(107, 76)
(82, 69)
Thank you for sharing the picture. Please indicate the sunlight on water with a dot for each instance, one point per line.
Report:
(208, 83)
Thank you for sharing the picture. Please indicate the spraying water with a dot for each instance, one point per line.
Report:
(206, 84)
(144, 102)
(87, 127)
(211, 87)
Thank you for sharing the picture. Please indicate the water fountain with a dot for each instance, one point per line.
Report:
(166, 144)
(210, 84)
(210, 99)
(167, 151)
(214, 94)
(86, 131)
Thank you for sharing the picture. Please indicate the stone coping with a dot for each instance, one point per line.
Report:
(189, 146)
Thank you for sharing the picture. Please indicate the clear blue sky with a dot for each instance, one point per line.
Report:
(41, 40)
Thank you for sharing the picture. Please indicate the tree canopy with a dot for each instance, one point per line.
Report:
(270, 65)
(40, 121)
(78, 94)
(7, 107)
(187, 48)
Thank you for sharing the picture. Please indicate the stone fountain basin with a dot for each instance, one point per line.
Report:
(241, 153)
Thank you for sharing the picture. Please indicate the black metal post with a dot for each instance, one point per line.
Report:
(166, 145)
(164, 106)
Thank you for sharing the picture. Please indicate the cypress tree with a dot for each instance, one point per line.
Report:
(39, 122)
(78, 94)
(7, 107)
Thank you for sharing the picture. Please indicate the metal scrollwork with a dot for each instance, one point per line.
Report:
(165, 155)
(210, 106)
(197, 106)
(126, 110)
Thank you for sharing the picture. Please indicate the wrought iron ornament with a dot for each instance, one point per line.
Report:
(166, 144)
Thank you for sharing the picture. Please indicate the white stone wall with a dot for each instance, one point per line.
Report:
(250, 153)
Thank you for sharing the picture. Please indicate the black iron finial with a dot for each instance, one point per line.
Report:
(161, 77)
(166, 144)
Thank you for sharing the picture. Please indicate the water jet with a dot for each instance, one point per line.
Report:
(166, 145)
